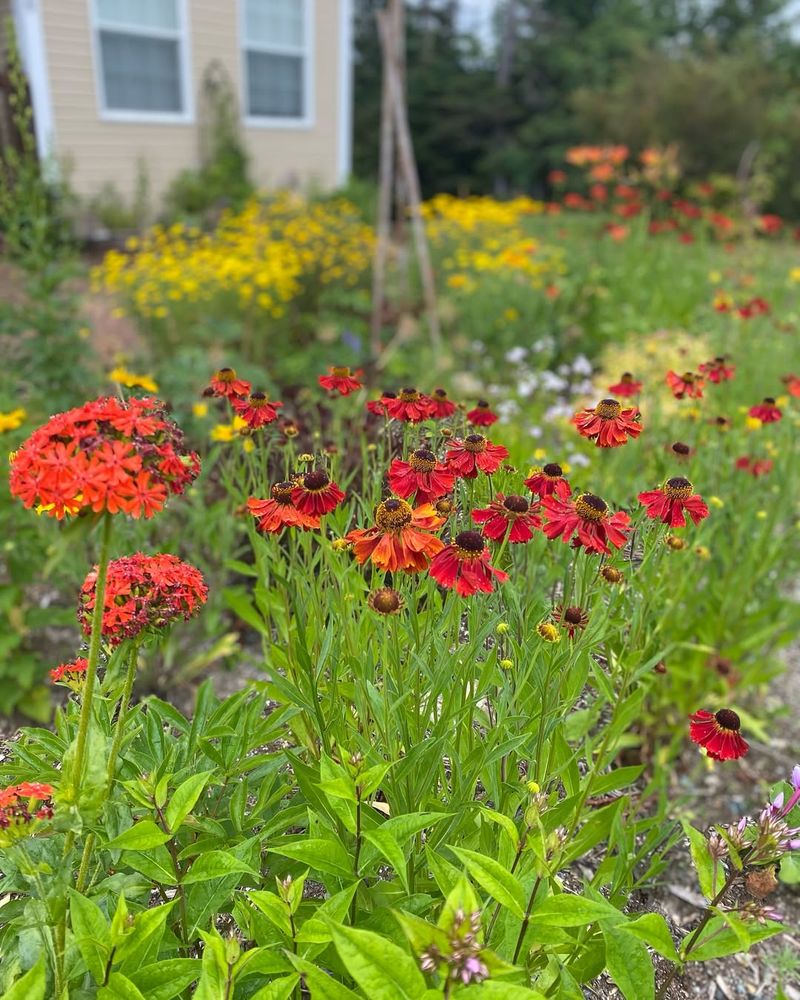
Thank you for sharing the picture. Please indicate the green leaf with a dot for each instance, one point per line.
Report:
(146, 925)
(92, 934)
(381, 969)
(165, 980)
(723, 937)
(703, 862)
(503, 991)
(321, 855)
(391, 850)
(494, 879)
(566, 910)
(321, 985)
(140, 837)
(217, 864)
(31, 986)
(628, 961)
(184, 799)
(278, 989)
(274, 909)
(120, 988)
(652, 928)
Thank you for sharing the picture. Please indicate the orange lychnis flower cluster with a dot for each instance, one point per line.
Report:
(108, 456)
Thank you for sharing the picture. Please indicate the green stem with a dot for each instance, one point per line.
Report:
(93, 657)
(662, 992)
(122, 717)
(119, 731)
(527, 918)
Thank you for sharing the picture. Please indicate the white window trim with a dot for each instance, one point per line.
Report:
(304, 121)
(184, 53)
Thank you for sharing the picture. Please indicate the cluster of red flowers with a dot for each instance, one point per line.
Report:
(748, 309)
(22, 804)
(255, 408)
(143, 593)
(411, 406)
(72, 674)
(296, 503)
(108, 455)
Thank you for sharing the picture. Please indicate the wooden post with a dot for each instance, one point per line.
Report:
(407, 164)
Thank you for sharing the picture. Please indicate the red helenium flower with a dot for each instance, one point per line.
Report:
(792, 383)
(549, 481)
(401, 538)
(585, 520)
(481, 415)
(718, 734)
(607, 424)
(341, 380)
(315, 493)
(755, 466)
(465, 565)
(767, 412)
(475, 454)
(377, 407)
(256, 409)
(143, 593)
(441, 405)
(422, 476)
(105, 456)
(627, 386)
(718, 370)
(279, 511)
(508, 514)
(225, 383)
(686, 385)
(669, 503)
(410, 406)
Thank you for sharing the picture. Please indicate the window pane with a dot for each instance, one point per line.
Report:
(142, 13)
(275, 22)
(140, 74)
(274, 85)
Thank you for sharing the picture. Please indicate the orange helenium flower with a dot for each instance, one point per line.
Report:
(401, 538)
(607, 424)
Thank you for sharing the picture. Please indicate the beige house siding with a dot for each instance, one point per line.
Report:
(97, 151)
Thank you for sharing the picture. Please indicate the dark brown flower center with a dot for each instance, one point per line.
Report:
(386, 601)
(226, 375)
(688, 377)
(627, 378)
(608, 409)
(282, 492)
(573, 615)
(482, 405)
(680, 448)
(553, 470)
(610, 574)
(440, 393)
(314, 481)
(393, 514)
(340, 372)
(728, 719)
(590, 507)
(409, 395)
(444, 508)
(516, 504)
(470, 544)
(475, 443)
(678, 488)
(257, 399)
(422, 460)
(769, 400)
(389, 394)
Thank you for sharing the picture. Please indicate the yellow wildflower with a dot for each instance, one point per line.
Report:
(122, 376)
(200, 409)
(11, 421)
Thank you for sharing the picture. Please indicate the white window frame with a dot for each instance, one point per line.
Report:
(181, 35)
(307, 52)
